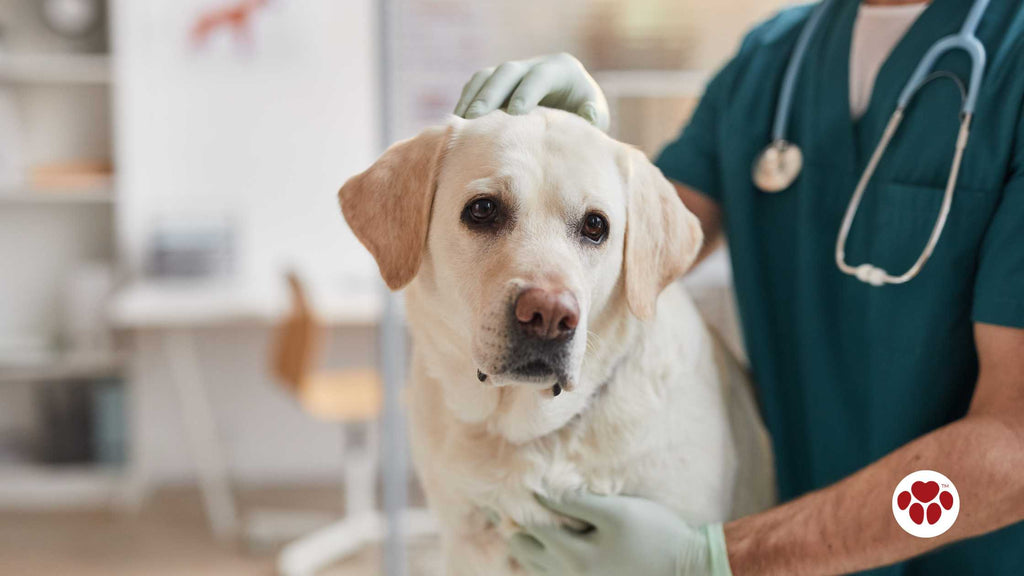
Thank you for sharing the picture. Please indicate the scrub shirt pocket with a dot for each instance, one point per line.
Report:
(905, 215)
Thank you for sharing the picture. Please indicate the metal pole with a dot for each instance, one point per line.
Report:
(395, 473)
(392, 348)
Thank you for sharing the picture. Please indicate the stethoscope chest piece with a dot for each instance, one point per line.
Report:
(777, 166)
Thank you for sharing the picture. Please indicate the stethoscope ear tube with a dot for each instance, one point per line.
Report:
(785, 103)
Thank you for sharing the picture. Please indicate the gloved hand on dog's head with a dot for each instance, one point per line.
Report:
(554, 81)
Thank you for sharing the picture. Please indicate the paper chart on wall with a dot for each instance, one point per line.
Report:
(435, 47)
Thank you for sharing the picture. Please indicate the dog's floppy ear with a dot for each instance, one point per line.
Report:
(663, 238)
(388, 205)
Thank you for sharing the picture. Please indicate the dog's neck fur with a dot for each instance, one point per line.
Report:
(518, 414)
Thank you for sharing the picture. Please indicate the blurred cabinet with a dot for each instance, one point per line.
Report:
(57, 253)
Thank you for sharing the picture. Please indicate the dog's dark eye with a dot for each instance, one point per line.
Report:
(595, 227)
(483, 209)
(481, 213)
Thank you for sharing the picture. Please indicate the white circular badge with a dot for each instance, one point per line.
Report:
(925, 504)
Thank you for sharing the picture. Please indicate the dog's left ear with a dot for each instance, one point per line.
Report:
(663, 238)
(388, 205)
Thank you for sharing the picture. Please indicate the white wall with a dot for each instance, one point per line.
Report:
(264, 133)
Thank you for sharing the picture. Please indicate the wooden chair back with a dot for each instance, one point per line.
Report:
(298, 338)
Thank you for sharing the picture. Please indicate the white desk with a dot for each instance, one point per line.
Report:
(175, 304)
(172, 310)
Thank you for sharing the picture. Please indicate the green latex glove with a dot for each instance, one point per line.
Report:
(630, 536)
(556, 81)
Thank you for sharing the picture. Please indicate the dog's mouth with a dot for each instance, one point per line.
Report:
(535, 371)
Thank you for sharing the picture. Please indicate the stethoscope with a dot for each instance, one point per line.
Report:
(780, 163)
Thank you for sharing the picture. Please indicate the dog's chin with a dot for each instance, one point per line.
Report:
(538, 374)
(535, 371)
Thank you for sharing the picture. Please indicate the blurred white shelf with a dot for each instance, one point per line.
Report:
(28, 196)
(42, 486)
(652, 83)
(61, 366)
(55, 68)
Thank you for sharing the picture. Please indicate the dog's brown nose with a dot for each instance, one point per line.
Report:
(547, 314)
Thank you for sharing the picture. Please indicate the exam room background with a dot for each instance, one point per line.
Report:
(260, 134)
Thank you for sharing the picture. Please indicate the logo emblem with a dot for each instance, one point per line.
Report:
(925, 504)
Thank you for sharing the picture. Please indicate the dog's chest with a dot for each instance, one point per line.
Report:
(504, 481)
(595, 452)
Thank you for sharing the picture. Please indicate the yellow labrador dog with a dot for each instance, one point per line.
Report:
(552, 351)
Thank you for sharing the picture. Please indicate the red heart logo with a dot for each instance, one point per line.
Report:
(925, 491)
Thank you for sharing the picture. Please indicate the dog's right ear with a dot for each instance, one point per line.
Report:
(388, 205)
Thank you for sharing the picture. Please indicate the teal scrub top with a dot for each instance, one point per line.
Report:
(847, 372)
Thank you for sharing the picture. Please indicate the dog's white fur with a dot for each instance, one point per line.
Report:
(647, 410)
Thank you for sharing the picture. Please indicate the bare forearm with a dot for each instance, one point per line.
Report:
(708, 212)
(849, 526)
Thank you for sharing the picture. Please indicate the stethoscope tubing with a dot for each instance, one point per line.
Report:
(785, 103)
(875, 275)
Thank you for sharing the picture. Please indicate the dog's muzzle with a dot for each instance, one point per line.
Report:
(541, 326)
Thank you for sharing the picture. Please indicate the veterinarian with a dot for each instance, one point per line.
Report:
(865, 374)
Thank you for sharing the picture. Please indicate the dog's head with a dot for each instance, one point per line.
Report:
(523, 233)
